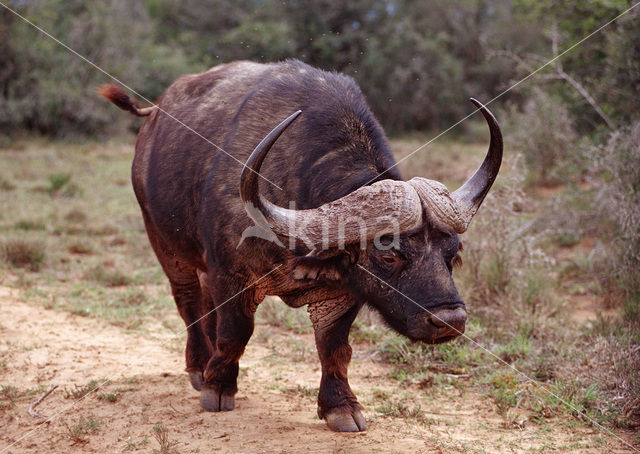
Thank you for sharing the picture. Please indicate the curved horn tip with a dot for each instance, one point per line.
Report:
(251, 168)
(477, 103)
(255, 158)
(487, 114)
(293, 116)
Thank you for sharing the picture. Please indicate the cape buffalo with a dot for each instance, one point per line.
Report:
(335, 228)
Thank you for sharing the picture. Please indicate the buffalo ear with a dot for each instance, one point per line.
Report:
(321, 266)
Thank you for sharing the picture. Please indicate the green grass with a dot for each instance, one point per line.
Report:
(60, 185)
(109, 397)
(111, 278)
(79, 391)
(57, 181)
(10, 395)
(362, 332)
(304, 391)
(567, 239)
(517, 348)
(72, 233)
(274, 312)
(29, 225)
(401, 408)
(78, 433)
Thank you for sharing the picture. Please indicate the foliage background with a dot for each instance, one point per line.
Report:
(417, 62)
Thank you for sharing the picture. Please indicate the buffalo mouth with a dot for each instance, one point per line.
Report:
(439, 326)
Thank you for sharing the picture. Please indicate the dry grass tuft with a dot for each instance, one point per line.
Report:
(78, 432)
(161, 434)
(79, 391)
(23, 253)
(76, 216)
(111, 278)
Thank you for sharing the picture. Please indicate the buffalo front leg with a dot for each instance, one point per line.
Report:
(337, 404)
(234, 327)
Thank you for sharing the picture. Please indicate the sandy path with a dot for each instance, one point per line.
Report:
(275, 409)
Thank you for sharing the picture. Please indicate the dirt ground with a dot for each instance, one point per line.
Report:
(275, 405)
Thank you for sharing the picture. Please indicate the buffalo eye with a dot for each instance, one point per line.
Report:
(456, 261)
(390, 260)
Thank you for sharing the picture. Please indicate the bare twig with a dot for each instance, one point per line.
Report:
(632, 406)
(176, 411)
(457, 375)
(37, 402)
(585, 94)
(512, 56)
(573, 82)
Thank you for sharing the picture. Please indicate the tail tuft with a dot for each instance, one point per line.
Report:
(118, 96)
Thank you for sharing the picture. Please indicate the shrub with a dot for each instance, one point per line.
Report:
(161, 434)
(544, 133)
(506, 274)
(23, 253)
(618, 201)
(85, 426)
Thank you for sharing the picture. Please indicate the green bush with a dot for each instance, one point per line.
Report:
(46, 89)
(417, 62)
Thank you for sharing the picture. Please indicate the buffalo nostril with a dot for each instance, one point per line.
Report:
(437, 320)
(450, 318)
(438, 326)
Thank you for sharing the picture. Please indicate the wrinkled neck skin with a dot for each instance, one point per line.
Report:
(411, 286)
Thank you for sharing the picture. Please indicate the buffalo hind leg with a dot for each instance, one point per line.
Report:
(337, 404)
(198, 351)
(209, 316)
(187, 294)
(234, 327)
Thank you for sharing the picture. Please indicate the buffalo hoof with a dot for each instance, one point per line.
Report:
(195, 377)
(212, 400)
(341, 420)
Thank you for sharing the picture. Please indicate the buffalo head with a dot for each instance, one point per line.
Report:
(392, 244)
